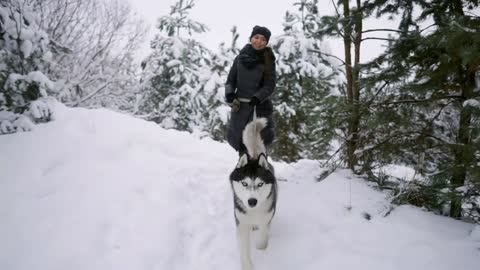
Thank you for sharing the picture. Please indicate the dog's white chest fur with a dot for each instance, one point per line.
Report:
(258, 216)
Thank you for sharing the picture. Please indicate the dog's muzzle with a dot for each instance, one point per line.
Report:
(252, 202)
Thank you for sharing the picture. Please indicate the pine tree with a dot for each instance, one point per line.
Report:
(430, 75)
(171, 88)
(217, 112)
(24, 56)
(304, 82)
(347, 24)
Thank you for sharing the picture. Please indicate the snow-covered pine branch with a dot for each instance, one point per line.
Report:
(24, 58)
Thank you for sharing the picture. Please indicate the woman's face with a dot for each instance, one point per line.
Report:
(259, 42)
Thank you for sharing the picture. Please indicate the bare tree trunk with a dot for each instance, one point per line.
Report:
(462, 149)
(347, 42)
(352, 73)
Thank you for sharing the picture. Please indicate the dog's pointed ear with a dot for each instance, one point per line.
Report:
(262, 161)
(242, 161)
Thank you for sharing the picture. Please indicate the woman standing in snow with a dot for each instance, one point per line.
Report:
(250, 83)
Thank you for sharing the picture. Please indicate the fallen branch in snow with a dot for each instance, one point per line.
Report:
(92, 94)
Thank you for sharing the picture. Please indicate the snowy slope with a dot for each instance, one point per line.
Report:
(99, 190)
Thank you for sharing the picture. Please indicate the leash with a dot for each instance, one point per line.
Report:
(349, 207)
(254, 120)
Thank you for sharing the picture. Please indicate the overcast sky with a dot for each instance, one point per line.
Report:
(221, 15)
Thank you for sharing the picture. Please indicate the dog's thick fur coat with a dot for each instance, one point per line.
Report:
(254, 192)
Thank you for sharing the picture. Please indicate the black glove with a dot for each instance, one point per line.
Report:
(230, 97)
(235, 105)
(254, 101)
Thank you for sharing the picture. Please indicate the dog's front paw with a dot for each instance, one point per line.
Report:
(262, 241)
(262, 244)
(247, 266)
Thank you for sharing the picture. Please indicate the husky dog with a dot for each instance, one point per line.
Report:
(254, 192)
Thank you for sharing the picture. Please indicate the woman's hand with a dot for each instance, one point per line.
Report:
(254, 101)
(230, 97)
(235, 105)
(233, 102)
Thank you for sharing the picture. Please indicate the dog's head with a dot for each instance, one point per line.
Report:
(252, 180)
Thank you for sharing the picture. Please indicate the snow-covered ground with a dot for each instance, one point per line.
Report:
(99, 190)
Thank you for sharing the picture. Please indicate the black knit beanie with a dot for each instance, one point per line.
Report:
(262, 31)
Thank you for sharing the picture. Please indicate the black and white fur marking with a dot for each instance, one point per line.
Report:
(254, 192)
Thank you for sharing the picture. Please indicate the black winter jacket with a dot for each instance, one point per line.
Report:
(246, 80)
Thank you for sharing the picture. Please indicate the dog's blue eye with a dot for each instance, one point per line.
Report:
(244, 184)
(260, 184)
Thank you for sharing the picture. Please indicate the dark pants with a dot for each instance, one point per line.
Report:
(239, 119)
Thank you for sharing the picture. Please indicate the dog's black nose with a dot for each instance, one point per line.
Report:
(252, 202)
